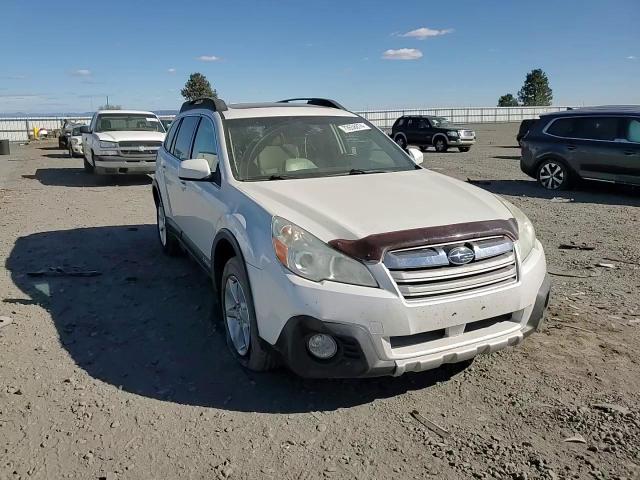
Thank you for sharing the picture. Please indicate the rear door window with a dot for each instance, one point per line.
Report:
(168, 141)
(182, 148)
(596, 128)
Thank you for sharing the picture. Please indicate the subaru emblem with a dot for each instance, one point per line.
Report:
(460, 255)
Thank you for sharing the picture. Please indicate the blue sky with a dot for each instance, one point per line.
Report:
(66, 56)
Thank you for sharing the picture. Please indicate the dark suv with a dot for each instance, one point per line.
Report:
(599, 143)
(425, 131)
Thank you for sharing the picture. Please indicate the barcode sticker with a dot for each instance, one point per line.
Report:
(354, 127)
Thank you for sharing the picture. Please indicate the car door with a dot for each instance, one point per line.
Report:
(411, 130)
(164, 161)
(425, 132)
(204, 198)
(595, 147)
(176, 188)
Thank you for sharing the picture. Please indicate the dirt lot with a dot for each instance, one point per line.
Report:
(122, 376)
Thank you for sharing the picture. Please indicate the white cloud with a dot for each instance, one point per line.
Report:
(402, 54)
(208, 58)
(171, 70)
(631, 57)
(81, 72)
(424, 32)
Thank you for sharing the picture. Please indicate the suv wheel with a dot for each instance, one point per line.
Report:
(440, 144)
(553, 175)
(401, 140)
(168, 242)
(239, 316)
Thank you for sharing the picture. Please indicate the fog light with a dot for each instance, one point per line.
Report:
(322, 346)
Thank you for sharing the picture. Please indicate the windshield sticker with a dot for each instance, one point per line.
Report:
(152, 119)
(354, 127)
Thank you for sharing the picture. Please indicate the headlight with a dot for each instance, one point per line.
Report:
(526, 232)
(452, 133)
(311, 258)
(108, 145)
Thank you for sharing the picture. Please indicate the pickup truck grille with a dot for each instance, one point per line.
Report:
(426, 272)
(139, 148)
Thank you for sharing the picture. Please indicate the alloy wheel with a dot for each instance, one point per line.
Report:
(236, 314)
(552, 175)
(162, 225)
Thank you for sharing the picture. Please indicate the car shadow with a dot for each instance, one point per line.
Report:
(584, 192)
(507, 157)
(50, 148)
(77, 177)
(144, 324)
(57, 155)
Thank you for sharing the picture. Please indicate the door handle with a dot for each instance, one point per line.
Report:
(571, 147)
(630, 152)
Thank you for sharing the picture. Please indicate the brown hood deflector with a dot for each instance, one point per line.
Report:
(373, 247)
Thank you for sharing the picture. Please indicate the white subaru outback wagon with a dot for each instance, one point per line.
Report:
(333, 251)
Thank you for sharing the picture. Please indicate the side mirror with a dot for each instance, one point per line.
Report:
(416, 155)
(85, 129)
(194, 169)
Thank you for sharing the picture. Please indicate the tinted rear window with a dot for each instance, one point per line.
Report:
(588, 128)
(562, 127)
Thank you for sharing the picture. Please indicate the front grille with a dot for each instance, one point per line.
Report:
(426, 272)
(147, 143)
(139, 149)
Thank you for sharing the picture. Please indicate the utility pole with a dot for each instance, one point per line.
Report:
(107, 102)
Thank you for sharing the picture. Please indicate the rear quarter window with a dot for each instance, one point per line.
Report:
(562, 127)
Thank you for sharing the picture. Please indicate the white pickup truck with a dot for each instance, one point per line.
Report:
(122, 142)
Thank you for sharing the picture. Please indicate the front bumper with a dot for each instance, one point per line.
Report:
(77, 148)
(120, 165)
(460, 142)
(370, 324)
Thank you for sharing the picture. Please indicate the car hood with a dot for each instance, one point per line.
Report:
(355, 206)
(130, 136)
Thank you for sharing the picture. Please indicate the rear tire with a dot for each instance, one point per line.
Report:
(239, 318)
(168, 241)
(440, 144)
(401, 140)
(553, 174)
(464, 149)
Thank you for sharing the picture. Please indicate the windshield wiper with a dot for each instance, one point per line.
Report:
(277, 177)
(359, 171)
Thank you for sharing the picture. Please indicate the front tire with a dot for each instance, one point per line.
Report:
(440, 144)
(87, 166)
(168, 241)
(553, 175)
(239, 316)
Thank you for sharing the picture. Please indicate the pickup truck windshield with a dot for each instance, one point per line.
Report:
(114, 122)
(278, 148)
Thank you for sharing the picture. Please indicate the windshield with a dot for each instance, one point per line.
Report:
(440, 122)
(274, 148)
(113, 122)
(76, 132)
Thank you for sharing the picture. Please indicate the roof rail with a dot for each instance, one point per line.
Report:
(320, 102)
(209, 103)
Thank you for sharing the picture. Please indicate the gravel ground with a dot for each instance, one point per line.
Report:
(122, 375)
